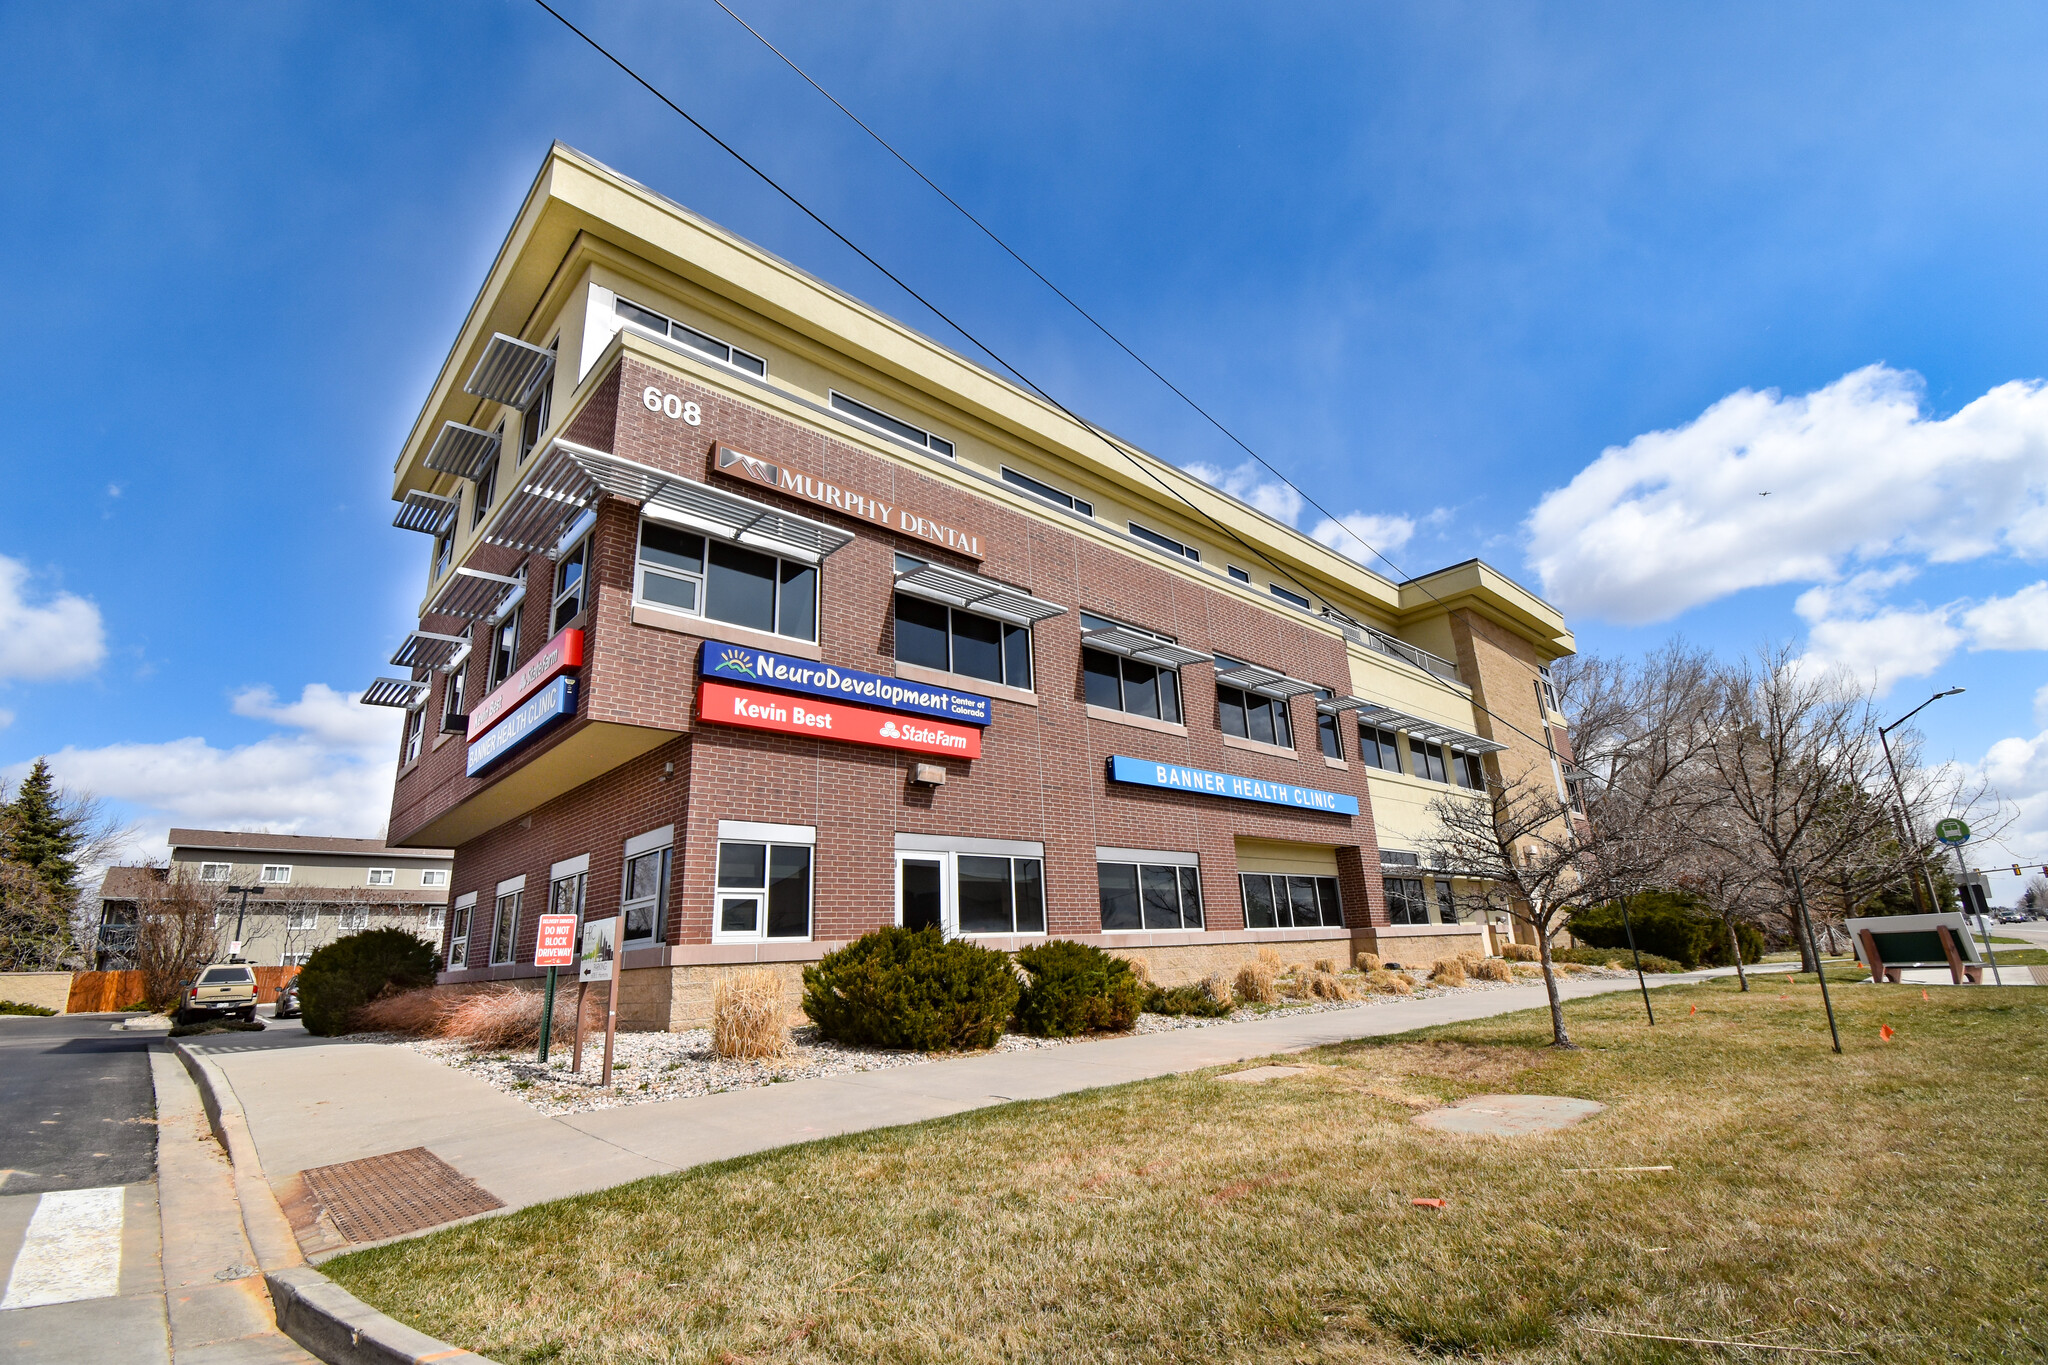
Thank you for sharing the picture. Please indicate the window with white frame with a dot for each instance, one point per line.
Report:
(277, 874)
(1253, 716)
(437, 915)
(570, 571)
(302, 917)
(1141, 895)
(1274, 900)
(486, 493)
(454, 699)
(1405, 902)
(383, 876)
(434, 876)
(1293, 599)
(764, 890)
(292, 959)
(354, 918)
(1125, 684)
(1239, 574)
(1165, 542)
(1546, 689)
(644, 894)
(996, 895)
(215, 872)
(566, 891)
(953, 640)
(691, 337)
(697, 575)
(895, 426)
(1048, 492)
(534, 420)
(458, 937)
(415, 732)
(504, 649)
(505, 929)
(444, 553)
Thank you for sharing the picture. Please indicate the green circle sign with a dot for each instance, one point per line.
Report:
(1952, 832)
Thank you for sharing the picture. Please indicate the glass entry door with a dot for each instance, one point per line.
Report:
(922, 883)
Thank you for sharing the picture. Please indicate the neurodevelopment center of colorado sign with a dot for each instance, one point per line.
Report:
(739, 664)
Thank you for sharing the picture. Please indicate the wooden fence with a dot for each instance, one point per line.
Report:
(105, 992)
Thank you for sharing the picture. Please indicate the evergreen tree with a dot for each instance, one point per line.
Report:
(41, 834)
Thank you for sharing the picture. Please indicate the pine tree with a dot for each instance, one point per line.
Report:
(41, 834)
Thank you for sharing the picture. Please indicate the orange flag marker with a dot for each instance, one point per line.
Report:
(1923, 996)
(1695, 1010)
(1885, 1032)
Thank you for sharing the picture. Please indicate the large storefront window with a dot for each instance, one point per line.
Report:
(685, 572)
(933, 635)
(764, 891)
(1251, 715)
(982, 888)
(1149, 896)
(1405, 902)
(1291, 901)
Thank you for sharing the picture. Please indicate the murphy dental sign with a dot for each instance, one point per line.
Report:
(739, 664)
(1142, 772)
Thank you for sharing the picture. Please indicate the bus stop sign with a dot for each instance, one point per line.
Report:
(1952, 831)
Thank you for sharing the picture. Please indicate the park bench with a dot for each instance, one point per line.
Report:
(1889, 944)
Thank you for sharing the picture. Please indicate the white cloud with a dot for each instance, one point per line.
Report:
(1362, 535)
(2017, 770)
(6, 719)
(1854, 472)
(1249, 483)
(60, 638)
(2016, 622)
(1885, 646)
(1349, 535)
(327, 771)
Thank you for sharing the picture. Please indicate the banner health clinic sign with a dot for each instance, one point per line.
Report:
(558, 655)
(738, 664)
(535, 716)
(1145, 773)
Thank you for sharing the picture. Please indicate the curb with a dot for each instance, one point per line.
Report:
(311, 1309)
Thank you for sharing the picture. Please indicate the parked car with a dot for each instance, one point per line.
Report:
(288, 999)
(222, 988)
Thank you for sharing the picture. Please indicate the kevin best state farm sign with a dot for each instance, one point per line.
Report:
(741, 465)
(558, 655)
(722, 704)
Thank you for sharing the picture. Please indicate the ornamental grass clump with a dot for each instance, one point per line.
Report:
(1194, 1000)
(1519, 952)
(1384, 982)
(1322, 984)
(912, 989)
(1218, 987)
(1493, 969)
(1255, 984)
(1369, 962)
(749, 1017)
(1074, 988)
(413, 1014)
(1448, 972)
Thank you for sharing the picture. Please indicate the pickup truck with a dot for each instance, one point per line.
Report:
(223, 988)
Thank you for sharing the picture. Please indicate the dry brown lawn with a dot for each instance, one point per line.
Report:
(1889, 1205)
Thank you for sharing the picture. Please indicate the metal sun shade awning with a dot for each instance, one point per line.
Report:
(551, 493)
(1266, 682)
(399, 692)
(509, 371)
(972, 592)
(462, 451)
(1146, 649)
(420, 510)
(473, 594)
(425, 649)
(1386, 717)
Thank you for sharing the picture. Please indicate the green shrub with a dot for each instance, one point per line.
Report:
(14, 1007)
(1619, 957)
(911, 988)
(1076, 989)
(350, 972)
(1670, 924)
(206, 1026)
(1184, 1000)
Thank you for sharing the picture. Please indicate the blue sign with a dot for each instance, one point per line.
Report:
(536, 715)
(1142, 772)
(737, 663)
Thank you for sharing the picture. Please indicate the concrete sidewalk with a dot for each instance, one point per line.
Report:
(314, 1101)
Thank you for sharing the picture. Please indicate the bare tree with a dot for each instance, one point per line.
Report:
(174, 936)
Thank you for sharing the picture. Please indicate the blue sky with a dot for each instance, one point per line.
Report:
(1431, 259)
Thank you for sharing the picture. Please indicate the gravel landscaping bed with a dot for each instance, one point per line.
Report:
(650, 1067)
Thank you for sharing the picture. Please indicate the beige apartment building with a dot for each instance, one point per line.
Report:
(302, 891)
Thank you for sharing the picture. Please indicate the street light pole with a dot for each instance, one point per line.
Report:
(1899, 790)
(243, 912)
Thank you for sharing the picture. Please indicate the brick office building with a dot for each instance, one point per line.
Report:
(771, 621)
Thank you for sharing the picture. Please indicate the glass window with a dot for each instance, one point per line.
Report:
(895, 426)
(933, 635)
(1376, 747)
(1048, 492)
(999, 895)
(444, 550)
(646, 895)
(1239, 574)
(1166, 543)
(486, 493)
(504, 648)
(436, 914)
(1547, 688)
(1248, 715)
(1292, 598)
(535, 419)
(1405, 902)
(454, 690)
(1288, 901)
(215, 872)
(1122, 684)
(434, 876)
(276, 873)
(1468, 771)
(1428, 759)
(565, 896)
(505, 929)
(354, 918)
(458, 939)
(383, 876)
(569, 575)
(686, 572)
(1326, 734)
(691, 337)
(1149, 896)
(301, 916)
(218, 976)
(1118, 886)
(764, 890)
(1446, 903)
(415, 732)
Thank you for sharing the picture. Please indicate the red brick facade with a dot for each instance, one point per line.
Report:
(1041, 776)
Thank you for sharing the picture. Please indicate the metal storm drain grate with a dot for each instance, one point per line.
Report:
(399, 1192)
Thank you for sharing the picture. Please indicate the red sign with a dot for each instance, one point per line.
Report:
(556, 946)
(724, 704)
(558, 655)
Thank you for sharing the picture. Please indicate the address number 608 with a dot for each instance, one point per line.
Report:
(654, 400)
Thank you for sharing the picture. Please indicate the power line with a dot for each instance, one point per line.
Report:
(984, 348)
